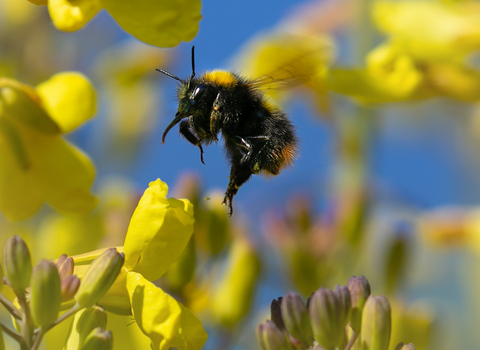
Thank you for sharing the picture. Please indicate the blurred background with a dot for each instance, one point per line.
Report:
(386, 184)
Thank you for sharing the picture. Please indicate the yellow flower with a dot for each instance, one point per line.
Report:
(160, 23)
(431, 29)
(159, 231)
(37, 164)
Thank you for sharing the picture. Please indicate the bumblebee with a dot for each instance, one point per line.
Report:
(258, 137)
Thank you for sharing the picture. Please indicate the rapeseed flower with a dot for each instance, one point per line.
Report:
(37, 164)
(159, 231)
(158, 23)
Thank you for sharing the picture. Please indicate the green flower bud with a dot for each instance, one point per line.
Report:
(402, 346)
(84, 322)
(18, 265)
(376, 323)
(69, 287)
(99, 277)
(45, 298)
(272, 338)
(359, 289)
(276, 313)
(295, 316)
(98, 339)
(343, 296)
(327, 316)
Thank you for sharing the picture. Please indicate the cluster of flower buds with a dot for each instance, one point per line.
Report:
(46, 289)
(347, 317)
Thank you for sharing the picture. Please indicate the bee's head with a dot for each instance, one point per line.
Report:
(187, 93)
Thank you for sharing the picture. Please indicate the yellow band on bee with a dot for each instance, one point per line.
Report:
(221, 77)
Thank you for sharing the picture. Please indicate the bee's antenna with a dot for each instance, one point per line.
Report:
(170, 75)
(193, 66)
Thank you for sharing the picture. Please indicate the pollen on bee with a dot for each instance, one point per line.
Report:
(221, 77)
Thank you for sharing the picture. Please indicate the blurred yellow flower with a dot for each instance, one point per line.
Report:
(159, 23)
(431, 29)
(36, 164)
(231, 299)
(159, 231)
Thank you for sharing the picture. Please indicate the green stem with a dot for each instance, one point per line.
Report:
(11, 333)
(16, 314)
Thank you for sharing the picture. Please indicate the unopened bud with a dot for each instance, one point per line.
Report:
(343, 296)
(376, 323)
(402, 346)
(276, 313)
(45, 298)
(295, 317)
(272, 338)
(69, 287)
(359, 289)
(99, 277)
(18, 265)
(65, 266)
(83, 323)
(327, 318)
(98, 339)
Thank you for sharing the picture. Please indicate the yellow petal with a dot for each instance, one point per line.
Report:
(164, 320)
(18, 198)
(61, 173)
(159, 231)
(21, 104)
(69, 98)
(431, 28)
(161, 23)
(72, 15)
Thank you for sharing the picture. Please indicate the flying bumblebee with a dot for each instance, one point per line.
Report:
(259, 138)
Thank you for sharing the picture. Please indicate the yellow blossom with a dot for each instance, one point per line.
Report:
(37, 164)
(159, 231)
(160, 23)
(431, 29)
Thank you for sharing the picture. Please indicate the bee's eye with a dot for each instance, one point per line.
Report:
(198, 92)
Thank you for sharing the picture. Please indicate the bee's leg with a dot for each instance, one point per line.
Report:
(240, 141)
(186, 131)
(238, 176)
(215, 116)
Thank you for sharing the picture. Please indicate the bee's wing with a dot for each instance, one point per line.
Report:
(298, 70)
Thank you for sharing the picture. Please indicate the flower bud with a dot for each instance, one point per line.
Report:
(83, 323)
(99, 277)
(402, 346)
(376, 323)
(271, 338)
(98, 339)
(343, 296)
(359, 289)
(65, 266)
(295, 316)
(276, 313)
(69, 287)
(18, 265)
(45, 298)
(327, 317)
